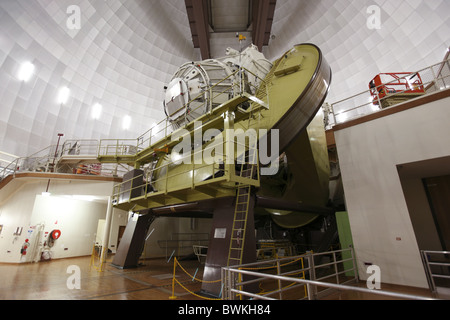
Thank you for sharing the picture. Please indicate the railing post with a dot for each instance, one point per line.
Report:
(435, 77)
(150, 137)
(312, 275)
(226, 292)
(378, 99)
(280, 294)
(334, 115)
(355, 267)
(448, 66)
(335, 267)
(430, 274)
(173, 297)
(165, 128)
(167, 177)
(310, 294)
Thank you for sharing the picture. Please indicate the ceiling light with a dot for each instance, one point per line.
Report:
(26, 71)
(63, 95)
(97, 111)
(126, 123)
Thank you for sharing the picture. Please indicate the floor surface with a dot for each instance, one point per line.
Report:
(77, 279)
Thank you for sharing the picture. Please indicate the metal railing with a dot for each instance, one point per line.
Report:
(58, 161)
(6, 159)
(41, 161)
(437, 266)
(434, 78)
(236, 279)
(183, 244)
(159, 178)
(47, 159)
(201, 252)
(80, 147)
(161, 130)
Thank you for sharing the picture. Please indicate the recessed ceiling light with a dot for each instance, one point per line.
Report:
(63, 95)
(26, 71)
(126, 123)
(97, 111)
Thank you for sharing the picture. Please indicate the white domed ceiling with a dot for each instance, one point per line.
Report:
(363, 38)
(102, 75)
(115, 66)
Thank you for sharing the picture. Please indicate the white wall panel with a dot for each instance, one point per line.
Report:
(368, 156)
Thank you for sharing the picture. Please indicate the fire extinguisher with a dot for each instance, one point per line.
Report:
(25, 246)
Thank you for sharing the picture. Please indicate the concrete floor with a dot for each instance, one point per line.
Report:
(151, 281)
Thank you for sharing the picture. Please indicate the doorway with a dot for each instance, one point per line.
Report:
(426, 188)
(438, 194)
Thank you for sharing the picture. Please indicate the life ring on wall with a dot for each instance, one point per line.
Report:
(55, 234)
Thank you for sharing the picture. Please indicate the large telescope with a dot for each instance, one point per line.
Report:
(242, 135)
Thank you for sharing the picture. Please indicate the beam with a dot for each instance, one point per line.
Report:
(274, 203)
(197, 11)
(263, 12)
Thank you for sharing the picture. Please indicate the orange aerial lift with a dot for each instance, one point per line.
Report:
(388, 89)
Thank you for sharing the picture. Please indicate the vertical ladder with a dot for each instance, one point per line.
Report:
(238, 233)
(236, 250)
